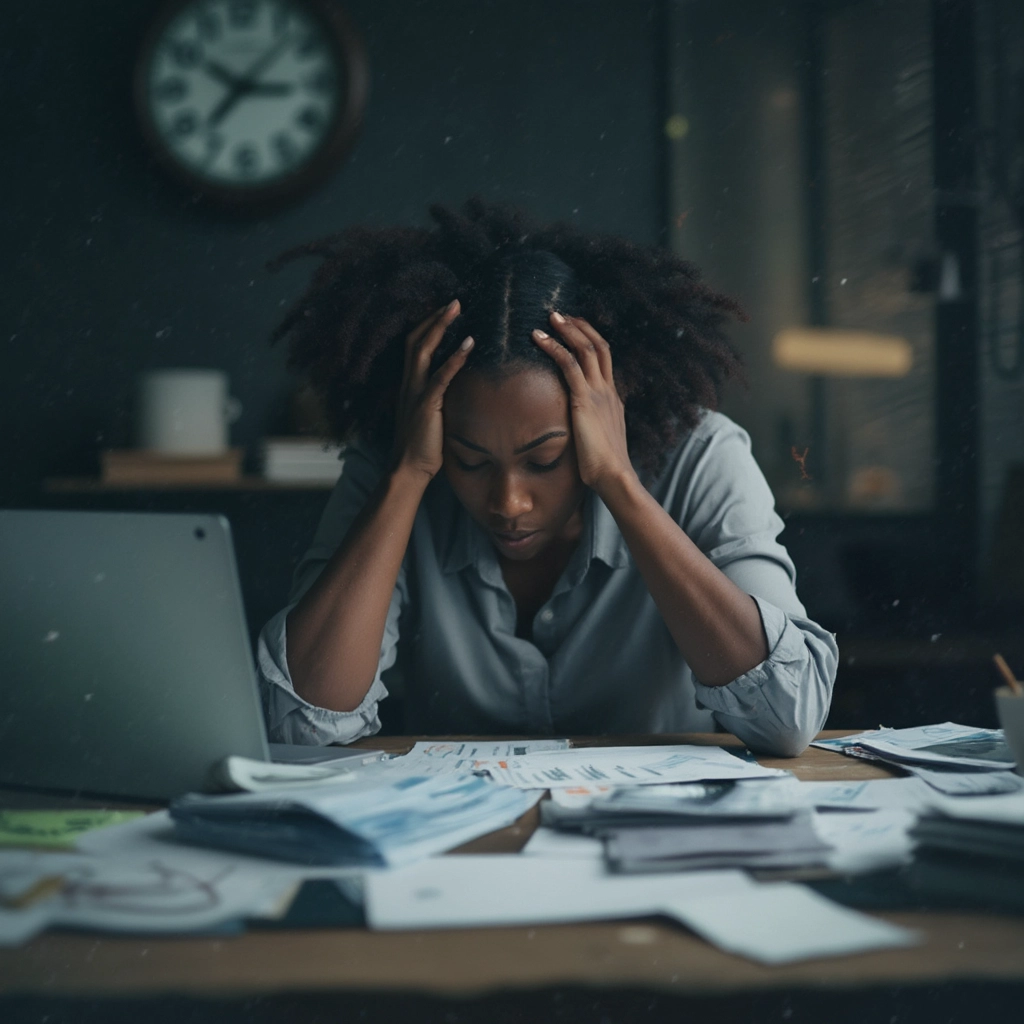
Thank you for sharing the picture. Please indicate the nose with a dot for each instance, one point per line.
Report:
(509, 498)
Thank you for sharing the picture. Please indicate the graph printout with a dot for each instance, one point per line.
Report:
(625, 766)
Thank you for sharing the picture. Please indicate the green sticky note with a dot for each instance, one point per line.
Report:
(55, 829)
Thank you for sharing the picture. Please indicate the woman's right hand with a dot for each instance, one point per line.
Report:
(419, 428)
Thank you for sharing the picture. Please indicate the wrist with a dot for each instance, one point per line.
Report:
(408, 477)
(619, 488)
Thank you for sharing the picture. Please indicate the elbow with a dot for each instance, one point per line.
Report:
(789, 743)
(329, 696)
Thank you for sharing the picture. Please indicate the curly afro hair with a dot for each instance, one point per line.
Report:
(347, 333)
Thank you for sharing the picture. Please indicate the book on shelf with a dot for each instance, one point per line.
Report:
(139, 466)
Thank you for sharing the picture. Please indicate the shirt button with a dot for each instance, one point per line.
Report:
(547, 615)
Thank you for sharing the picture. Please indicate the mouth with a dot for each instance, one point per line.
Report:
(514, 540)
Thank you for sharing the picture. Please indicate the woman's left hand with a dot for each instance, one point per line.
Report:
(598, 415)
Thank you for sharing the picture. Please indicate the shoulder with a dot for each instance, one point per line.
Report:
(715, 428)
(711, 475)
(717, 444)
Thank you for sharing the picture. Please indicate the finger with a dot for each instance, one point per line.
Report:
(424, 325)
(412, 340)
(604, 350)
(424, 349)
(566, 361)
(445, 373)
(580, 345)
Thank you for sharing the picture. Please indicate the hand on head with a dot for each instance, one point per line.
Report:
(598, 415)
(419, 430)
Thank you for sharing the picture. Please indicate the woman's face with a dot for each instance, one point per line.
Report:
(510, 458)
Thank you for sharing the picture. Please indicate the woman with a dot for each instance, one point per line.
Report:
(541, 519)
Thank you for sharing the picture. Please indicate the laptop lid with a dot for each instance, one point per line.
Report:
(126, 666)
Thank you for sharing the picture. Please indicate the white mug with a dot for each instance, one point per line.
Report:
(185, 412)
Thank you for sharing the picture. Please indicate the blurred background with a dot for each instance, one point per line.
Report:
(852, 171)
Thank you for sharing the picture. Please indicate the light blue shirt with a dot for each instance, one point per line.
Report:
(601, 659)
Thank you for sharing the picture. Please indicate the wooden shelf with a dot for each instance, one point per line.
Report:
(93, 485)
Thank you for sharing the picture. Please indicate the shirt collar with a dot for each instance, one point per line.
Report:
(463, 543)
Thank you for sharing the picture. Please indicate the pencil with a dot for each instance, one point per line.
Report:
(41, 890)
(1008, 676)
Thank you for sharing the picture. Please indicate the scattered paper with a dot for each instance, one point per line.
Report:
(747, 798)
(18, 926)
(960, 783)
(508, 889)
(579, 796)
(868, 795)
(780, 922)
(154, 838)
(55, 829)
(957, 746)
(431, 757)
(783, 843)
(986, 826)
(176, 894)
(870, 841)
(634, 766)
(1006, 809)
(247, 775)
(549, 842)
(375, 819)
(773, 923)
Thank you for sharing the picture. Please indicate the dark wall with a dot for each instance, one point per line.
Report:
(552, 104)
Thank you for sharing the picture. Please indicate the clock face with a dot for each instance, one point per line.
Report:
(245, 97)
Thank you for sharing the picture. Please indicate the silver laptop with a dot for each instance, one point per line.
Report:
(125, 666)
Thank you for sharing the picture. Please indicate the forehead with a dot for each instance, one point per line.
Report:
(507, 411)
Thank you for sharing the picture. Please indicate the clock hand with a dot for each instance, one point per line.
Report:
(245, 84)
(258, 66)
(272, 89)
(221, 73)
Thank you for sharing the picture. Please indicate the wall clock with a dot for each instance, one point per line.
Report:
(249, 102)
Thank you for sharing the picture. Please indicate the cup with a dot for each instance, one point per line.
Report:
(1010, 708)
(185, 412)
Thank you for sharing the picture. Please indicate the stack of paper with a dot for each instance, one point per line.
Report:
(755, 823)
(376, 817)
(982, 826)
(787, 843)
(958, 760)
(662, 804)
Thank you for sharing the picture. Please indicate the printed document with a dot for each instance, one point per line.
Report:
(633, 766)
(438, 757)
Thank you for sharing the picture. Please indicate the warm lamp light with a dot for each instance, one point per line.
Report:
(834, 352)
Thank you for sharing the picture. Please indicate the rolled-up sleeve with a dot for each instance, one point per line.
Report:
(290, 718)
(779, 705)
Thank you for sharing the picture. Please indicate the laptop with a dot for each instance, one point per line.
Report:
(124, 653)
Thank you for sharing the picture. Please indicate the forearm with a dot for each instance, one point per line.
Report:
(334, 633)
(715, 624)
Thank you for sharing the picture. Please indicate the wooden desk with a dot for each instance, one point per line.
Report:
(610, 959)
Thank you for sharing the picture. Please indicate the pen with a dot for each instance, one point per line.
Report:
(1008, 676)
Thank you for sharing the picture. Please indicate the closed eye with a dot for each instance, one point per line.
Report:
(536, 467)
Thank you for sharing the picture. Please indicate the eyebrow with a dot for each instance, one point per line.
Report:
(518, 451)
